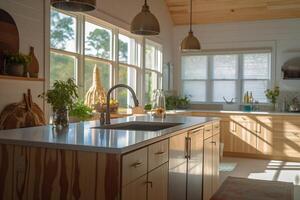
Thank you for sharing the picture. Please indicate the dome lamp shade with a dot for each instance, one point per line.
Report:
(74, 5)
(145, 23)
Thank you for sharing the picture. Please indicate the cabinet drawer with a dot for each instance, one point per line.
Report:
(158, 154)
(134, 165)
(216, 128)
(208, 131)
(136, 190)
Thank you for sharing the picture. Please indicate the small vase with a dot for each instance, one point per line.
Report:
(60, 118)
(33, 66)
(275, 107)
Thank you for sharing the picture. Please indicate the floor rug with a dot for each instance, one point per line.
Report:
(235, 188)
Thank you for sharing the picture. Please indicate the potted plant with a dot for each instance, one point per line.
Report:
(62, 98)
(15, 64)
(272, 96)
(80, 112)
(177, 102)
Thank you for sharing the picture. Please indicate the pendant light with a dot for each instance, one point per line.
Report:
(190, 42)
(145, 23)
(74, 5)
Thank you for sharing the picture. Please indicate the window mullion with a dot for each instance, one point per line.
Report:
(209, 82)
(143, 69)
(80, 51)
(240, 84)
(116, 56)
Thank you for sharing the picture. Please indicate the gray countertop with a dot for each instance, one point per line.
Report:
(80, 136)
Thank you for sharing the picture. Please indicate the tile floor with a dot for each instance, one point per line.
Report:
(262, 169)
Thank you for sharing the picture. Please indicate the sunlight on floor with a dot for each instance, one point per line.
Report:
(272, 170)
(280, 171)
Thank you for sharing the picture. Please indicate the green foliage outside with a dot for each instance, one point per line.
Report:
(99, 41)
(62, 67)
(61, 30)
(81, 111)
(148, 87)
(63, 95)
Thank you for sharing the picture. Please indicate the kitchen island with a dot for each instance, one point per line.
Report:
(92, 163)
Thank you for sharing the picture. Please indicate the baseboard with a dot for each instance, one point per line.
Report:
(264, 157)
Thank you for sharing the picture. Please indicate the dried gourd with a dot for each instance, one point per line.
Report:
(96, 94)
(22, 114)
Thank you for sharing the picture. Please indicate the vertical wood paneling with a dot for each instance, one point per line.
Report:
(6, 161)
(39, 173)
(20, 172)
(85, 168)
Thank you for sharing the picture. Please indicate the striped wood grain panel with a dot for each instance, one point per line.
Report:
(41, 173)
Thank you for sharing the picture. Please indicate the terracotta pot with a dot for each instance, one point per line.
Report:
(15, 69)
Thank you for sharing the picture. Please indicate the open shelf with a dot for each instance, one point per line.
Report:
(19, 78)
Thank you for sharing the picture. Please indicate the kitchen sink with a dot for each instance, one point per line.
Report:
(139, 126)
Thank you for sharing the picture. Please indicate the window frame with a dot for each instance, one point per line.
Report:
(239, 81)
(159, 71)
(139, 66)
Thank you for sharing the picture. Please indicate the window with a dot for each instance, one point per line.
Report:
(79, 43)
(224, 77)
(98, 41)
(257, 74)
(128, 68)
(63, 44)
(211, 78)
(153, 71)
(194, 75)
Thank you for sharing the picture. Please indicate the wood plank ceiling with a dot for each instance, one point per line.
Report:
(219, 11)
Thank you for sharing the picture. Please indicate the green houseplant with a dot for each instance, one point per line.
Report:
(62, 98)
(272, 95)
(177, 102)
(81, 111)
(15, 64)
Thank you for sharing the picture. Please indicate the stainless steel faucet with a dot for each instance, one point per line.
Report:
(136, 102)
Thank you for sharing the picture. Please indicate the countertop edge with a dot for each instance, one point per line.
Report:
(108, 150)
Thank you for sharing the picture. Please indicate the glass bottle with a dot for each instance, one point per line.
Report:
(159, 104)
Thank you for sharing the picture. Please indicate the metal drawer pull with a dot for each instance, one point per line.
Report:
(149, 182)
(188, 147)
(213, 142)
(160, 152)
(137, 164)
(196, 130)
(207, 130)
(216, 126)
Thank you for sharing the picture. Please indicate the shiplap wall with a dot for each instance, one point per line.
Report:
(29, 17)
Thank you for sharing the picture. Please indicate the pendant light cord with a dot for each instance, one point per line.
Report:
(191, 15)
(145, 2)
